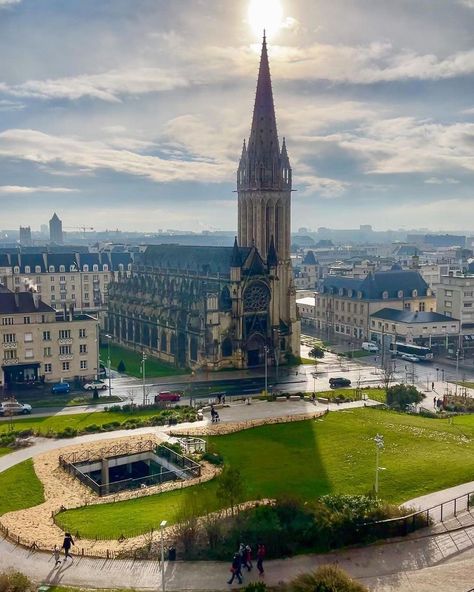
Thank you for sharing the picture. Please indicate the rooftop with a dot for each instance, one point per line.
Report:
(407, 316)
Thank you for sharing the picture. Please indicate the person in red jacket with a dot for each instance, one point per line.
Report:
(260, 557)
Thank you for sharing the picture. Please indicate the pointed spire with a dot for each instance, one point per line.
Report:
(272, 257)
(236, 260)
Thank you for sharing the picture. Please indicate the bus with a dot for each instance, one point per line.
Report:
(424, 354)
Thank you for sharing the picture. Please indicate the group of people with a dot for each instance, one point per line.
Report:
(67, 544)
(243, 559)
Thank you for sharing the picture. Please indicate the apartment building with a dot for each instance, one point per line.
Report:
(38, 344)
(455, 298)
(344, 305)
(66, 279)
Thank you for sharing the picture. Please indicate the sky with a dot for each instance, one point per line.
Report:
(131, 114)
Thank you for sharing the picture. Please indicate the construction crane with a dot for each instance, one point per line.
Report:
(83, 228)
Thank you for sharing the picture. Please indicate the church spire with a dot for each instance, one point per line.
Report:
(260, 165)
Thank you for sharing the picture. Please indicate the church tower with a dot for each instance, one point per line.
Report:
(264, 208)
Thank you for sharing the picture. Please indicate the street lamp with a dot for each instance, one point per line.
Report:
(379, 445)
(143, 377)
(109, 337)
(457, 371)
(163, 523)
(265, 349)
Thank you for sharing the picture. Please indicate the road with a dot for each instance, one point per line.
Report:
(362, 372)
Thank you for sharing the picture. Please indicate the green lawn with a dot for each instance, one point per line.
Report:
(376, 394)
(132, 361)
(20, 488)
(5, 450)
(56, 423)
(334, 454)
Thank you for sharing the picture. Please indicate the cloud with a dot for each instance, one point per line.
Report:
(438, 181)
(320, 186)
(6, 105)
(4, 3)
(45, 149)
(107, 86)
(10, 189)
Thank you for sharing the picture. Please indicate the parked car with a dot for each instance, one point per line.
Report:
(95, 384)
(8, 408)
(339, 381)
(410, 358)
(370, 347)
(167, 396)
(61, 388)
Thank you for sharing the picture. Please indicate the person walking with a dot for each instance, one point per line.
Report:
(67, 544)
(57, 556)
(432, 386)
(261, 552)
(248, 557)
(235, 569)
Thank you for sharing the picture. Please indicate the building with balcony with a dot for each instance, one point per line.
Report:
(37, 344)
(455, 299)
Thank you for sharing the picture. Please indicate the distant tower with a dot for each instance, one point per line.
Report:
(56, 230)
(25, 235)
(264, 210)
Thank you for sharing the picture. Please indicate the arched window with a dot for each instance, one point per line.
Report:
(173, 344)
(414, 293)
(38, 269)
(120, 266)
(225, 302)
(400, 293)
(85, 268)
(385, 295)
(227, 347)
(62, 268)
(105, 267)
(16, 269)
(95, 268)
(164, 345)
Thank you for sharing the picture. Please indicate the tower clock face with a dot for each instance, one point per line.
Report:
(256, 297)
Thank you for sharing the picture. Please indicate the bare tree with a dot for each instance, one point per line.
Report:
(387, 373)
(230, 487)
(187, 527)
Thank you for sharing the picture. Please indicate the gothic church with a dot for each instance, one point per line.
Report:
(222, 307)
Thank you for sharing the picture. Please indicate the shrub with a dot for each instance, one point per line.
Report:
(121, 367)
(213, 457)
(255, 587)
(15, 581)
(402, 395)
(68, 432)
(92, 429)
(25, 433)
(327, 578)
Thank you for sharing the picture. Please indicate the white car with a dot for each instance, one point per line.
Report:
(370, 347)
(95, 384)
(8, 408)
(410, 358)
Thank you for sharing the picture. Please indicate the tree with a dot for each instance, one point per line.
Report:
(316, 352)
(121, 367)
(402, 395)
(230, 488)
(186, 529)
(388, 373)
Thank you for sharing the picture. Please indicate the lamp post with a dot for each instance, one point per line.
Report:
(379, 445)
(265, 349)
(109, 337)
(457, 372)
(143, 377)
(163, 523)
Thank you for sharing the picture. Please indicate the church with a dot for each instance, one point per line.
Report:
(222, 307)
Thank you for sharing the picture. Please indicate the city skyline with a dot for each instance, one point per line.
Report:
(133, 117)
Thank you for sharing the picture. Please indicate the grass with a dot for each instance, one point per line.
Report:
(57, 423)
(37, 400)
(467, 384)
(23, 486)
(133, 359)
(376, 394)
(334, 454)
(309, 361)
(4, 450)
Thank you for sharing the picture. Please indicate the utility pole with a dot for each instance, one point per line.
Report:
(379, 445)
(143, 377)
(265, 349)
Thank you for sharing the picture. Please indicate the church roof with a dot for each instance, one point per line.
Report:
(310, 259)
(198, 259)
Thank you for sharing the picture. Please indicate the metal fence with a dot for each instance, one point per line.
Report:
(179, 460)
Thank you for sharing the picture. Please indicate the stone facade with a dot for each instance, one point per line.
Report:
(219, 307)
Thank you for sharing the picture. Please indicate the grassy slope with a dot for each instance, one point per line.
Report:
(23, 486)
(311, 458)
(56, 423)
(132, 361)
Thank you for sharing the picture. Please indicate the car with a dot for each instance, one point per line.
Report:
(167, 396)
(339, 381)
(370, 347)
(410, 358)
(61, 388)
(8, 408)
(95, 384)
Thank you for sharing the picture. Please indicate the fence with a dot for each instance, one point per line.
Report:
(179, 460)
(405, 525)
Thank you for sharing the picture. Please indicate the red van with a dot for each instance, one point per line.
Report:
(168, 396)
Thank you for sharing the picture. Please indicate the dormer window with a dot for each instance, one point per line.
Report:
(400, 293)
(37, 269)
(359, 294)
(105, 267)
(95, 268)
(129, 267)
(414, 293)
(85, 268)
(72, 268)
(120, 266)
(349, 293)
(62, 269)
(51, 269)
(16, 269)
(341, 291)
(27, 269)
(385, 295)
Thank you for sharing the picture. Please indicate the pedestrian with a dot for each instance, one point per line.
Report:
(313, 398)
(223, 399)
(432, 386)
(235, 569)
(248, 557)
(57, 556)
(67, 543)
(375, 360)
(261, 552)
(219, 398)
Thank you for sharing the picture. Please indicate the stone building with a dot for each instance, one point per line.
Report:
(56, 230)
(218, 307)
(39, 344)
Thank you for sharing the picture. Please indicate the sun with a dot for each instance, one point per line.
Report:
(265, 14)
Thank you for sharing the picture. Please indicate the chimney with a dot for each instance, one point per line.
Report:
(36, 300)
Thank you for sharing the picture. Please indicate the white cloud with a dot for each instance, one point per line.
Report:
(438, 181)
(8, 2)
(44, 149)
(10, 189)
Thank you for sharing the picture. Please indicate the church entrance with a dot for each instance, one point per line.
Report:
(255, 351)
